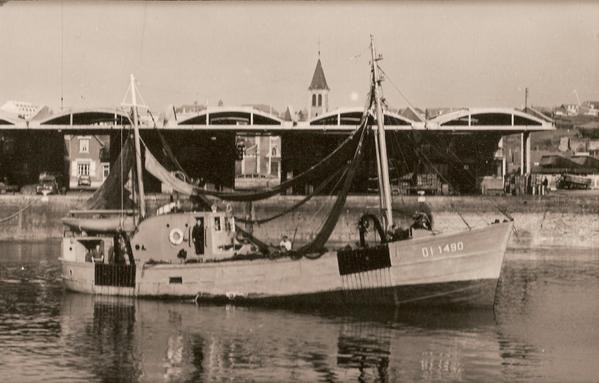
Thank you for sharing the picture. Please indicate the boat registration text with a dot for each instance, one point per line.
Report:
(432, 251)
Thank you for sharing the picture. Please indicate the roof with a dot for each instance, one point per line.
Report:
(478, 117)
(594, 104)
(7, 118)
(87, 116)
(353, 115)
(319, 82)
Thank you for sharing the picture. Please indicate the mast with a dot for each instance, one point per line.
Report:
(382, 142)
(138, 167)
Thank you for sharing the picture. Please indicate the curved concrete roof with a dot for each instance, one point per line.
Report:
(486, 117)
(87, 116)
(6, 119)
(231, 114)
(350, 112)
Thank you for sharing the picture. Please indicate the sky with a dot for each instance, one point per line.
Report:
(435, 53)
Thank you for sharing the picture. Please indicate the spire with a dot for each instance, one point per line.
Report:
(319, 82)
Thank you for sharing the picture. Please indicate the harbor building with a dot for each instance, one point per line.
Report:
(89, 157)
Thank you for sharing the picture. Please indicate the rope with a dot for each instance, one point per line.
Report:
(412, 108)
(300, 203)
(8, 218)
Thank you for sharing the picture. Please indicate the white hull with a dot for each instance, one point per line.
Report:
(458, 268)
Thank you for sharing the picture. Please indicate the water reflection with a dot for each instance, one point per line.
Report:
(542, 330)
(158, 341)
(545, 317)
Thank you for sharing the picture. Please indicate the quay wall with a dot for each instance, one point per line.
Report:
(553, 221)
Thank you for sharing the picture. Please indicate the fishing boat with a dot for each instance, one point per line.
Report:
(203, 254)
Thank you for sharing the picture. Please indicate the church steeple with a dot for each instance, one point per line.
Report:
(319, 91)
(319, 82)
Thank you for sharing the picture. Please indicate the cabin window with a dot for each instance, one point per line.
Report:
(175, 280)
(227, 224)
(216, 223)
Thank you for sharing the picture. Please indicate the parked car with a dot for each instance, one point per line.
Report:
(84, 181)
(50, 183)
(7, 187)
(571, 181)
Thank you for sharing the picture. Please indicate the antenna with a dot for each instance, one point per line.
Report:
(318, 47)
(577, 98)
(61, 56)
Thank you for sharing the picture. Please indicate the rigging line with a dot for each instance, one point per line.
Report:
(470, 174)
(412, 108)
(123, 103)
(13, 215)
(143, 33)
(122, 221)
(401, 153)
(314, 169)
(432, 166)
(357, 153)
(61, 55)
(330, 194)
(167, 147)
(297, 205)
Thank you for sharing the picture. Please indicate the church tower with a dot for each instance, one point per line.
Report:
(319, 92)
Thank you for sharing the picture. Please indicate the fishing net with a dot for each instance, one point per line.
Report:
(321, 238)
(113, 193)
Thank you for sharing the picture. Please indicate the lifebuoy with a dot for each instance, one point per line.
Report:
(176, 236)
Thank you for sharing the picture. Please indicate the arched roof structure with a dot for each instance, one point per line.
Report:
(6, 119)
(240, 115)
(352, 116)
(96, 117)
(486, 118)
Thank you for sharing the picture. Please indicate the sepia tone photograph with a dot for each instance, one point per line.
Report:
(299, 191)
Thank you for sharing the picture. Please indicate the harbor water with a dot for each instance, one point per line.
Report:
(543, 329)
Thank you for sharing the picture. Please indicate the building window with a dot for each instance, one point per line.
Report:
(84, 145)
(105, 170)
(313, 100)
(83, 168)
(320, 100)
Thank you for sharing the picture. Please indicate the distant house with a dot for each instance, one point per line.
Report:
(591, 108)
(593, 147)
(564, 144)
(578, 144)
(89, 158)
(25, 110)
(261, 157)
(567, 110)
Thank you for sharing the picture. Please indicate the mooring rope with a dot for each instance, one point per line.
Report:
(8, 218)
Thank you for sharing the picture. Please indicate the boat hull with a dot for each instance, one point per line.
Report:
(453, 269)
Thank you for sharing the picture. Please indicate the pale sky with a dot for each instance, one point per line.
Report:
(438, 53)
